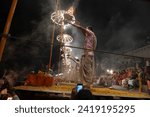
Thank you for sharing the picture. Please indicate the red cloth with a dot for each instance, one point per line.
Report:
(39, 79)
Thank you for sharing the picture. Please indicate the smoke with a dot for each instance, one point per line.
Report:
(32, 50)
(50, 5)
(11, 76)
(65, 4)
(118, 26)
(113, 62)
(76, 3)
(126, 29)
(121, 39)
(124, 38)
(78, 41)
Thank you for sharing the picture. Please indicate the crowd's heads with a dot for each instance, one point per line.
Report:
(84, 94)
(4, 84)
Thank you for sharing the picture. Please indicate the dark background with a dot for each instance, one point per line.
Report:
(119, 25)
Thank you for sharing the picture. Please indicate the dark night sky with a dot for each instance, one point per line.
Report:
(118, 24)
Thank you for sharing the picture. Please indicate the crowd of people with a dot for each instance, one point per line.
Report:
(83, 94)
(130, 78)
(7, 92)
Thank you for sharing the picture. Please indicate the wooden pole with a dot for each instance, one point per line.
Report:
(52, 41)
(51, 48)
(140, 82)
(7, 27)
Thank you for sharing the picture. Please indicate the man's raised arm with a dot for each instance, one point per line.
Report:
(84, 30)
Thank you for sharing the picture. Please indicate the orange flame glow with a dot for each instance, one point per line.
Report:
(71, 10)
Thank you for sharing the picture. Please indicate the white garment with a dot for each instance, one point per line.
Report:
(130, 82)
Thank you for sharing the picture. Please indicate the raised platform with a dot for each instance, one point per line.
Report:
(65, 90)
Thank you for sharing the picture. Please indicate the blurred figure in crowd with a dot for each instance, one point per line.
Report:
(6, 91)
